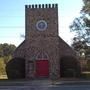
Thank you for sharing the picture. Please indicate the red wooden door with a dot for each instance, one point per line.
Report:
(42, 68)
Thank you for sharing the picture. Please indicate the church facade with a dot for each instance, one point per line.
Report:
(43, 49)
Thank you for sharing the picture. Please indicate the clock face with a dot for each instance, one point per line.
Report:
(41, 25)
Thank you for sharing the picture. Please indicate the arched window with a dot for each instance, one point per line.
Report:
(42, 56)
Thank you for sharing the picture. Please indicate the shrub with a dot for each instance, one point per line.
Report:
(15, 68)
(88, 65)
(69, 67)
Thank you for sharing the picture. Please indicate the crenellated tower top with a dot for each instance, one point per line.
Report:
(41, 20)
(41, 6)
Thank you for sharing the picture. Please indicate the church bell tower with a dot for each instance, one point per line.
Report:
(41, 40)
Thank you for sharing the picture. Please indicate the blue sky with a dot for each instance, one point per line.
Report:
(12, 18)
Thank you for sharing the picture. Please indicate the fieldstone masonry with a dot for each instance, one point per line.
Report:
(44, 43)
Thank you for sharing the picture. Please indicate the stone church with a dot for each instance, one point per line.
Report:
(43, 50)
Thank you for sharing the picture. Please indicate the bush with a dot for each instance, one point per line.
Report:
(88, 65)
(69, 67)
(15, 68)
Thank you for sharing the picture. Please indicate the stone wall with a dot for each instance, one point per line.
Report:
(65, 49)
(20, 51)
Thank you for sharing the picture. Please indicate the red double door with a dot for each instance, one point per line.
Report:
(42, 68)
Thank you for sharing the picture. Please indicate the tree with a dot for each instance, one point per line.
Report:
(2, 67)
(81, 27)
(1, 51)
(86, 11)
(6, 51)
(86, 7)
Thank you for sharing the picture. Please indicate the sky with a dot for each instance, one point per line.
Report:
(12, 18)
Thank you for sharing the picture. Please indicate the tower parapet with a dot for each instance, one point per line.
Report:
(34, 6)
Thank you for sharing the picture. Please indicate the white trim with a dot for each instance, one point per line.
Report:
(41, 21)
(42, 54)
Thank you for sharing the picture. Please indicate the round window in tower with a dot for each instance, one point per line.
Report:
(41, 25)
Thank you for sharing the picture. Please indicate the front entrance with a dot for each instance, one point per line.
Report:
(42, 68)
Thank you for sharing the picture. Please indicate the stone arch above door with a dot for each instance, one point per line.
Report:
(42, 56)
